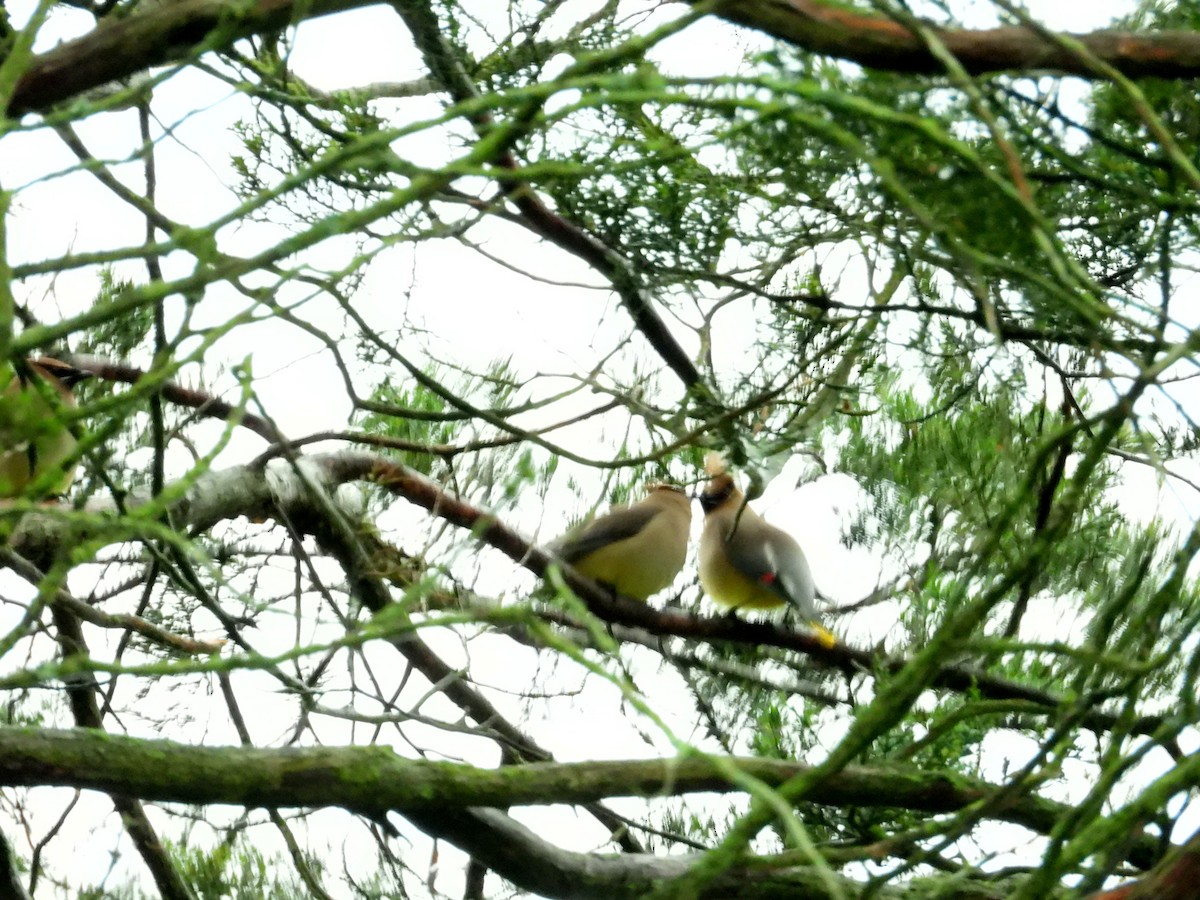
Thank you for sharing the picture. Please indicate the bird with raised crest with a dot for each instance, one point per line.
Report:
(747, 563)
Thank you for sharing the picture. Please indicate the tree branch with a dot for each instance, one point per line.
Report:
(1175, 878)
(879, 42)
(81, 692)
(205, 404)
(373, 780)
(621, 274)
(620, 610)
(244, 491)
(176, 31)
(167, 32)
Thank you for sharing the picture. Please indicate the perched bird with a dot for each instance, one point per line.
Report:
(34, 438)
(746, 562)
(636, 550)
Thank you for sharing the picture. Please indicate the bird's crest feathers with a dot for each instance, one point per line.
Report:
(654, 486)
(715, 464)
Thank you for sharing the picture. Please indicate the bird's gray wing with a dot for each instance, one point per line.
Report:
(602, 531)
(746, 551)
(778, 564)
(795, 582)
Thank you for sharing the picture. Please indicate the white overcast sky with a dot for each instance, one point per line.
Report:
(443, 286)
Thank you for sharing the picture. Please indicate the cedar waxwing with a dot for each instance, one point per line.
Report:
(34, 439)
(636, 550)
(746, 562)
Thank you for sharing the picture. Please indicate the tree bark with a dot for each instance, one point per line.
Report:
(878, 42)
(374, 780)
(177, 31)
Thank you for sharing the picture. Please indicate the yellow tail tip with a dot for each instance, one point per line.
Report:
(824, 635)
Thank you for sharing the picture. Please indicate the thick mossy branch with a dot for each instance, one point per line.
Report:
(375, 779)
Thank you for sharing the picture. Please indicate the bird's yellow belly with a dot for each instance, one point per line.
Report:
(49, 453)
(611, 566)
(729, 587)
(14, 473)
(31, 435)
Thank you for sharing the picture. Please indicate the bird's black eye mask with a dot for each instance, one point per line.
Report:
(710, 500)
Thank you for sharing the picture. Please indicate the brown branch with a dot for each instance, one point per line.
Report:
(879, 42)
(179, 30)
(1175, 878)
(533, 863)
(117, 621)
(167, 32)
(205, 405)
(620, 610)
